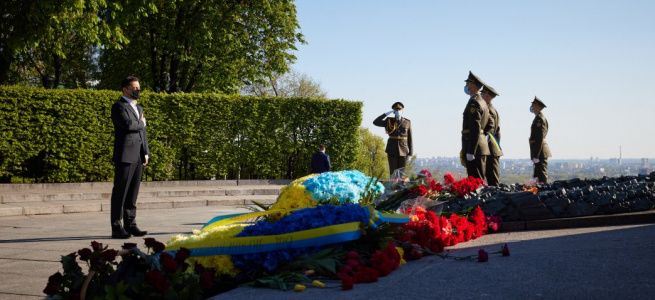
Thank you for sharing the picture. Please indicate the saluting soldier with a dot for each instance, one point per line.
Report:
(492, 131)
(399, 129)
(539, 150)
(476, 116)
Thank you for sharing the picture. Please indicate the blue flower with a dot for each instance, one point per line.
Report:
(345, 186)
(304, 219)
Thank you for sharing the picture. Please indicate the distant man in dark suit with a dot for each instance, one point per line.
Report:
(130, 156)
(399, 129)
(476, 116)
(321, 161)
(539, 150)
(492, 131)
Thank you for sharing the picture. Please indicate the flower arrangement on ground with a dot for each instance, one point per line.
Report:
(322, 231)
(427, 187)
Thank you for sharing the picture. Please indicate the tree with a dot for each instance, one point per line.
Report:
(372, 159)
(52, 41)
(205, 45)
(289, 85)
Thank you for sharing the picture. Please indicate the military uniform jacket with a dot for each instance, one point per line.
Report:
(130, 138)
(476, 117)
(538, 146)
(493, 127)
(400, 135)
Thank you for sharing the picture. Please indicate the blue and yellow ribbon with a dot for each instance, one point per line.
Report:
(326, 235)
(491, 137)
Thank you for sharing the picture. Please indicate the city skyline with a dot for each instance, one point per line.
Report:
(589, 61)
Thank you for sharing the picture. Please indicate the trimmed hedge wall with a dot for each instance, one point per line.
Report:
(67, 135)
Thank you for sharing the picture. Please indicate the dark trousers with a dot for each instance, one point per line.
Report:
(396, 162)
(541, 170)
(127, 178)
(492, 171)
(476, 167)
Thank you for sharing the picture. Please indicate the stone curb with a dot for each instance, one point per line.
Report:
(588, 221)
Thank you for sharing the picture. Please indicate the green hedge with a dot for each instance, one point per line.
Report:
(67, 135)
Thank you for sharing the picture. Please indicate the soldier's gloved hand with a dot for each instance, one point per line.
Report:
(535, 160)
(389, 113)
(470, 157)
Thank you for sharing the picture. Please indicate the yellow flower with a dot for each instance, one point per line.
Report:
(299, 287)
(222, 263)
(401, 252)
(318, 283)
(293, 195)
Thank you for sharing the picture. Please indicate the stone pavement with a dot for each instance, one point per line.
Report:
(549, 259)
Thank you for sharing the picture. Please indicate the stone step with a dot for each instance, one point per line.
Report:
(97, 205)
(104, 193)
(7, 187)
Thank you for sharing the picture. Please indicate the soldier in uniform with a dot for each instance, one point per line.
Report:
(492, 131)
(539, 150)
(399, 129)
(476, 116)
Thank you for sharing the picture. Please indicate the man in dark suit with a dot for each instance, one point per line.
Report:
(399, 129)
(476, 116)
(130, 156)
(321, 161)
(539, 150)
(492, 132)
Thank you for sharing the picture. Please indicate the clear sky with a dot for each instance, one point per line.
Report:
(591, 61)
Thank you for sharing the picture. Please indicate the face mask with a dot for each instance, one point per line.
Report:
(135, 94)
(398, 114)
(466, 90)
(531, 109)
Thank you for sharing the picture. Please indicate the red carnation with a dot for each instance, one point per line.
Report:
(448, 179)
(51, 289)
(96, 246)
(153, 277)
(352, 255)
(505, 250)
(347, 282)
(85, 254)
(366, 275)
(128, 246)
(182, 254)
(168, 263)
(162, 286)
(158, 247)
(483, 256)
(150, 242)
(56, 278)
(109, 255)
(206, 280)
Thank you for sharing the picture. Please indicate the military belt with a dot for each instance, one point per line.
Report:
(398, 137)
(466, 131)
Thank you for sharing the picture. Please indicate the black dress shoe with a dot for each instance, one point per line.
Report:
(120, 235)
(135, 231)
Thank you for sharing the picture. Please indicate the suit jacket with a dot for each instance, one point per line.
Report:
(130, 138)
(538, 131)
(476, 117)
(400, 135)
(321, 162)
(493, 127)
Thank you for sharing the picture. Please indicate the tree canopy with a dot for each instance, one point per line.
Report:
(171, 45)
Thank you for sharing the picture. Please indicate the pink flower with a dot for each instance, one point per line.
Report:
(483, 256)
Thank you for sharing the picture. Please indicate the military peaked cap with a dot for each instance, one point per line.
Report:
(490, 90)
(474, 79)
(398, 105)
(538, 101)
